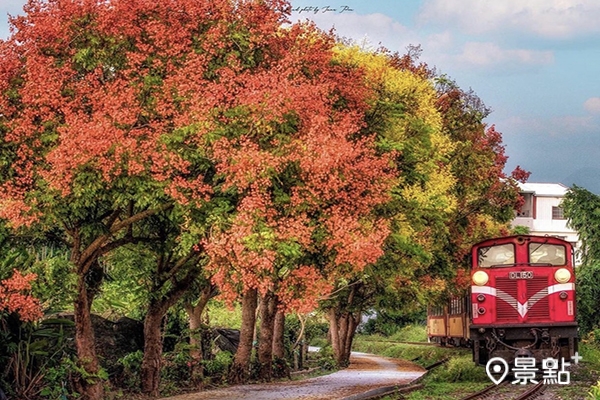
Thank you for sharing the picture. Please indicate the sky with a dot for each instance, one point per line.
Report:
(535, 63)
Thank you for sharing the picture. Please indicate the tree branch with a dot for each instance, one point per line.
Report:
(90, 251)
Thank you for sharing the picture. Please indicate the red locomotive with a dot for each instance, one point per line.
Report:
(521, 302)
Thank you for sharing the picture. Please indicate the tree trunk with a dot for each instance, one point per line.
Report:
(196, 348)
(151, 363)
(240, 369)
(278, 335)
(352, 321)
(153, 346)
(268, 310)
(90, 388)
(342, 327)
(84, 257)
(298, 347)
(282, 369)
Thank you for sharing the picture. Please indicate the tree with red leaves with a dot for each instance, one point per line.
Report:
(310, 182)
(15, 297)
(116, 112)
(488, 198)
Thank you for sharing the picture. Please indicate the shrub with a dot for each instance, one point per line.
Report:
(132, 366)
(177, 365)
(58, 380)
(460, 369)
(594, 393)
(218, 367)
(325, 358)
(588, 296)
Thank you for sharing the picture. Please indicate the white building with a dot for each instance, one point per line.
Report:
(542, 212)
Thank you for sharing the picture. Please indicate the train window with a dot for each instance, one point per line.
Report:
(436, 311)
(503, 254)
(542, 253)
(456, 305)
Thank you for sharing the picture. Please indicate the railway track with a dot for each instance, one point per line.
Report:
(507, 391)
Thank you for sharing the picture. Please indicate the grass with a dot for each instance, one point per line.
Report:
(389, 347)
(411, 333)
(584, 377)
(460, 376)
(456, 378)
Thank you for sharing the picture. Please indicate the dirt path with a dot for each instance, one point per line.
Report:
(366, 372)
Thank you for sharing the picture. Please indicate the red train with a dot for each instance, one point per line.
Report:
(521, 302)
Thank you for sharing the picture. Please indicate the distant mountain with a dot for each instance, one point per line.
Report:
(588, 178)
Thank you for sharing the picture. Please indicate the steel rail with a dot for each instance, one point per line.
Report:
(491, 392)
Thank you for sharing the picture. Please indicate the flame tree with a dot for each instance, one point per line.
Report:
(450, 191)
(115, 112)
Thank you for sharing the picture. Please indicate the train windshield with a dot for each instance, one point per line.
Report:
(503, 254)
(542, 253)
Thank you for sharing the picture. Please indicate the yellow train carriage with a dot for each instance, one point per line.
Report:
(449, 324)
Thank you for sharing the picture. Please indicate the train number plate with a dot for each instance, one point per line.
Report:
(521, 275)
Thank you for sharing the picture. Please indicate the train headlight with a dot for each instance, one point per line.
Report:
(480, 298)
(562, 275)
(480, 278)
(563, 295)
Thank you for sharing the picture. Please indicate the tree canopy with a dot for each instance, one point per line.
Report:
(227, 147)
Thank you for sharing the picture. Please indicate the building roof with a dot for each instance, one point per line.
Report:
(544, 189)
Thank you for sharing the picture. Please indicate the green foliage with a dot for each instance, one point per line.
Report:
(217, 368)
(589, 350)
(582, 209)
(411, 333)
(126, 267)
(459, 369)
(422, 355)
(520, 230)
(594, 393)
(57, 381)
(50, 263)
(52, 268)
(393, 323)
(588, 296)
(177, 367)
(315, 329)
(36, 356)
(132, 366)
(377, 326)
(220, 315)
(326, 360)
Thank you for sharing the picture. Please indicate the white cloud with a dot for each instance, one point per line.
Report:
(377, 28)
(487, 54)
(439, 41)
(592, 105)
(439, 47)
(545, 18)
(572, 125)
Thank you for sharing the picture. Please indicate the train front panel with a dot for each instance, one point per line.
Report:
(523, 299)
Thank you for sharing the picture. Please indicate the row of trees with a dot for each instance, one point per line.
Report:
(582, 208)
(223, 150)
